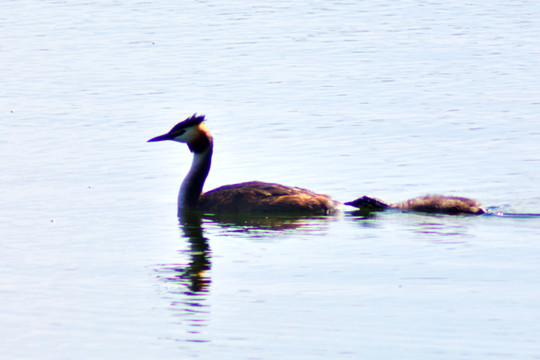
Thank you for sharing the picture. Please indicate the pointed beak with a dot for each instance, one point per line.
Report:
(161, 138)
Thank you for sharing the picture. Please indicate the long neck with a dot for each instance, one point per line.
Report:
(193, 183)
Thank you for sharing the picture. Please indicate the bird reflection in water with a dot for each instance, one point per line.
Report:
(267, 224)
(187, 285)
(194, 275)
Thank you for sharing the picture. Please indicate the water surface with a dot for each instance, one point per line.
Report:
(389, 99)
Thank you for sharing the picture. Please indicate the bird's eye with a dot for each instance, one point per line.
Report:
(179, 132)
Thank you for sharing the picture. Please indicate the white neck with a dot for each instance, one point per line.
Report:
(193, 183)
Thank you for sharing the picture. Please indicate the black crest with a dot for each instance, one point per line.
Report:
(193, 120)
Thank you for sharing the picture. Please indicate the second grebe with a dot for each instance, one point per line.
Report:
(433, 204)
(254, 196)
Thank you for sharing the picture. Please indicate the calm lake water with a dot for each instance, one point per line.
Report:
(388, 99)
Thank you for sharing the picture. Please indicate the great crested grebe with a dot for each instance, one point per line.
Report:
(433, 204)
(248, 197)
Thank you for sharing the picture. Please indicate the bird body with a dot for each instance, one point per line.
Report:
(440, 204)
(261, 197)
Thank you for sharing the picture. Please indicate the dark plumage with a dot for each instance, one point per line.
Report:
(261, 197)
(193, 120)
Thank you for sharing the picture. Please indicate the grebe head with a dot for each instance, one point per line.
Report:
(191, 131)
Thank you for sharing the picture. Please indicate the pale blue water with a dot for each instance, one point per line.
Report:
(388, 99)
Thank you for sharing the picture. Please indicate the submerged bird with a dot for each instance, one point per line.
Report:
(433, 204)
(248, 197)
